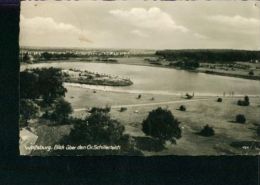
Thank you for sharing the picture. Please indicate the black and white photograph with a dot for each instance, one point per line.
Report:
(139, 78)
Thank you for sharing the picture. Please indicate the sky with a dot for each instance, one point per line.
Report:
(141, 24)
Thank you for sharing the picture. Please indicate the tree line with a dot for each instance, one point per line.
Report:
(209, 55)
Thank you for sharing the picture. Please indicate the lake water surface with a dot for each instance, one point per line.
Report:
(159, 80)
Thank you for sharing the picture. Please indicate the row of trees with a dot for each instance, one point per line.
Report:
(210, 55)
(186, 63)
(51, 56)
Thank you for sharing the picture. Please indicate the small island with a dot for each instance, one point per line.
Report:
(91, 78)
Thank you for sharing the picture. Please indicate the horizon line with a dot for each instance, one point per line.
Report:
(83, 48)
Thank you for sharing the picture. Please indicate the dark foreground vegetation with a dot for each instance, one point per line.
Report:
(42, 102)
(98, 131)
(42, 95)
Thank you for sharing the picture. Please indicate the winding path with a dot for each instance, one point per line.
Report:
(150, 104)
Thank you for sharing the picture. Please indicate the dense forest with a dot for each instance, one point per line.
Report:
(209, 55)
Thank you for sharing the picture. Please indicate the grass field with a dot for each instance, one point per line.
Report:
(221, 116)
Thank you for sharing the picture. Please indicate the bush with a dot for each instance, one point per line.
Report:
(219, 100)
(251, 73)
(122, 109)
(162, 125)
(240, 102)
(207, 131)
(240, 118)
(100, 109)
(246, 99)
(182, 108)
(244, 102)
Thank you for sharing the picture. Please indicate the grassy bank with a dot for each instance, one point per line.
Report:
(221, 116)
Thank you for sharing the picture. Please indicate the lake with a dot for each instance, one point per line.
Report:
(160, 80)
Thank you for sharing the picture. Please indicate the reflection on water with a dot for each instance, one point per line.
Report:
(163, 80)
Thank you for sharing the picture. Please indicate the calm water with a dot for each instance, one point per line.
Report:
(164, 81)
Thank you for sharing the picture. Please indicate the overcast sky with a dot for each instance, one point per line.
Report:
(141, 24)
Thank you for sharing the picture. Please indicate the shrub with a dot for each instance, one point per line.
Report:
(182, 108)
(240, 118)
(100, 109)
(162, 125)
(207, 131)
(240, 102)
(251, 73)
(244, 102)
(246, 99)
(122, 109)
(219, 100)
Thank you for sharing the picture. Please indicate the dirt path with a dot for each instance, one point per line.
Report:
(150, 104)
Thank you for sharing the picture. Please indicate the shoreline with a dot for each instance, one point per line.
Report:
(152, 65)
(125, 91)
(230, 75)
(91, 78)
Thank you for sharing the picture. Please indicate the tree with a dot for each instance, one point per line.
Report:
(100, 129)
(61, 111)
(29, 82)
(240, 118)
(46, 56)
(28, 110)
(219, 100)
(97, 129)
(182, 108)
(251, 73)
(207, 131)
(26, 57)
(244, 102)
(246, 99)
(50, 84)
(162, 125)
